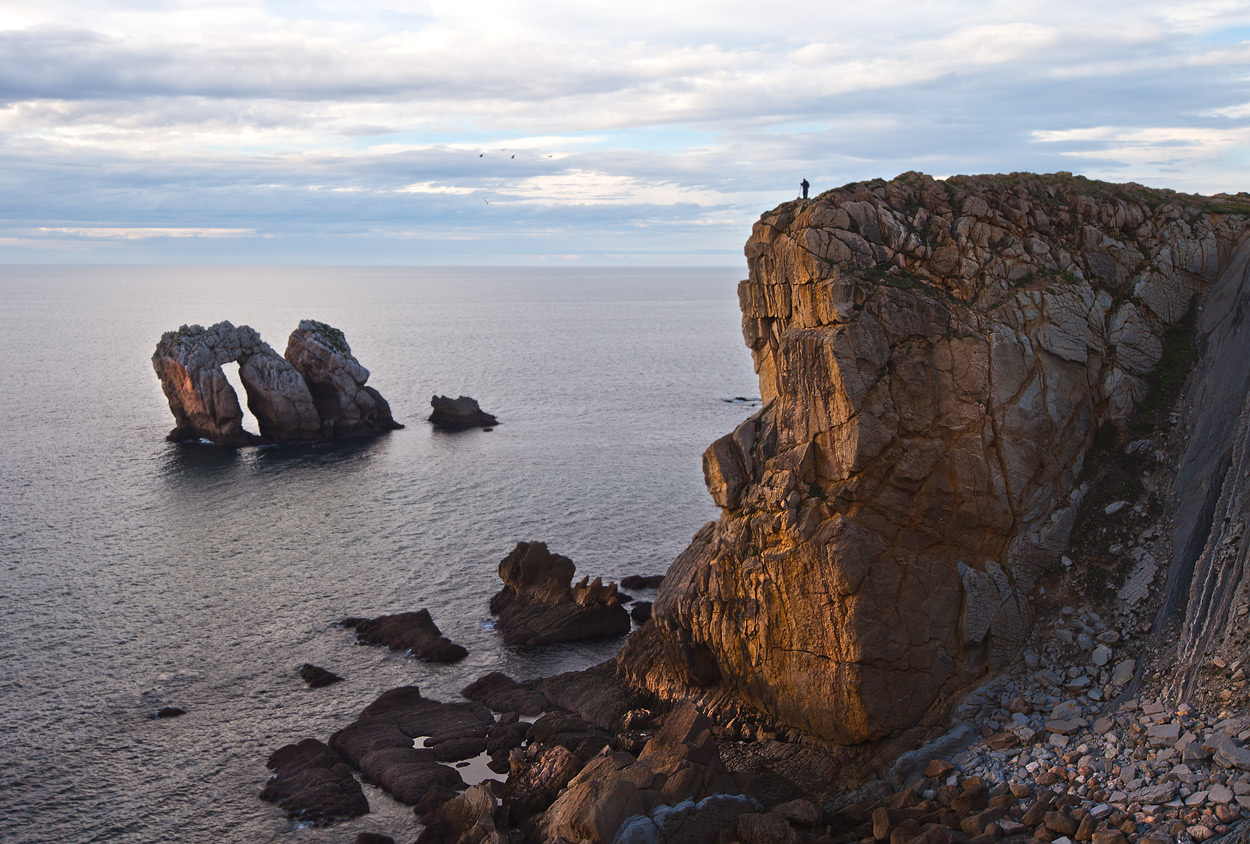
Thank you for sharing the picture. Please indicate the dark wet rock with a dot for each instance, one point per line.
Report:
(459, 414)
(408, 631)
(380, 742)
(468, 818)
(689, 822)
(317, 677)
(373, 838)
(458, 749)
(312, 783)
(503, 694)
(641, 612)
(428, 805)
(537, 605)
(638, 581)
(596, 694)
(169, 712)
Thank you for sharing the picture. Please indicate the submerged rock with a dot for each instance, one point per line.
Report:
(317, 677)
(537, 606)
(415, 632)
(311, 783)
(316, 393)
(459, 414)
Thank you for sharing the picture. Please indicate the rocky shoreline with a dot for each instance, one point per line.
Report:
(979, 575)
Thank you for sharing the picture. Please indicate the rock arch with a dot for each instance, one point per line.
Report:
(189, 364)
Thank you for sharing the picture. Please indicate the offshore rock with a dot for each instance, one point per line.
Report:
(311, 783)
(348, 409)
(537, 605)
(415, 632)
(338, 406)
(459, 414)
(934, 359)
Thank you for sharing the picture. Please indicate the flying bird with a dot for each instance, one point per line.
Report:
(487, 201)
(514, 156)
(480, 154)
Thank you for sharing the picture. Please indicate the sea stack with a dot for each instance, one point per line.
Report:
(316, 393)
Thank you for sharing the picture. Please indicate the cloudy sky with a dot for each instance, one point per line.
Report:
(571, 131)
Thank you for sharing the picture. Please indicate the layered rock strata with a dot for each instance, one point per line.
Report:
(316, 393)
(935, 358)
(1209, 573)
(538, 604)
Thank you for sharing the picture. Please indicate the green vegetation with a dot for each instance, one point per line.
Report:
(331, 337)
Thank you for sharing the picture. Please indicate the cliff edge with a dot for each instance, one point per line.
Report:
(935, 358)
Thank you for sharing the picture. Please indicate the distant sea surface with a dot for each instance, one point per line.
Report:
(137, 574)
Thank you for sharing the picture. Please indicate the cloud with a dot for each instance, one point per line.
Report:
(282, 124)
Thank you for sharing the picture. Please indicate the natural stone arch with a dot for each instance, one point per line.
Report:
(189, 363)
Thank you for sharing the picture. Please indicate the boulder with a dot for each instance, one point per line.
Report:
(537, 605)
(317, 677)
(459, 414)
(311, 783)
(640, 581)
(414, 632)
(467, 818)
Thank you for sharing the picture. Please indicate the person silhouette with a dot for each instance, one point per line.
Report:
(804, 185)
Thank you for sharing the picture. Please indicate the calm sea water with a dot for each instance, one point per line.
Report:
(136, 574)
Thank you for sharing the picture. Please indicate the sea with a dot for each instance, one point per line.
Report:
(137, 574)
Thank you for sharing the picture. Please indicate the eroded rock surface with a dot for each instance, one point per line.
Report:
(538, 606)
(311, 783)
(934, 358)
(315, 393)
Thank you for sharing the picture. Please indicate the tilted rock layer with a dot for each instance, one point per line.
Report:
(934, 357)
(316, 393)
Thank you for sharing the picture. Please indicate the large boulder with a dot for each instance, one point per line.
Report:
(538, 605)
(316, 393)
(459, 414)
(934, 359)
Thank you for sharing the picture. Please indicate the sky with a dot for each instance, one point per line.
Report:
(571, 132)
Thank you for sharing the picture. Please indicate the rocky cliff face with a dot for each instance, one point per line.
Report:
(317, 392)
(935, 358)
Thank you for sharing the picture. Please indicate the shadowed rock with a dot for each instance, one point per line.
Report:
(459, 414)
(317, 677)
(503, 694)
(537, 606)
(338, 405)
(380, 742)
(312, 783)
(415, 632)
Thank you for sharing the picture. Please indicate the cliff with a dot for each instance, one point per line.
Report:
(935, 358)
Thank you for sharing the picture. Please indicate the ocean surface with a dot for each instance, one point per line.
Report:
(137, 574)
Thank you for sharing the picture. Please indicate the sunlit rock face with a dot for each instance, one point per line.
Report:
(189, 364)
(934, 358)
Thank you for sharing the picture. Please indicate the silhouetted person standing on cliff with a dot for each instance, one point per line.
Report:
(804, 185)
